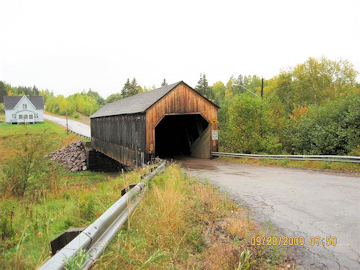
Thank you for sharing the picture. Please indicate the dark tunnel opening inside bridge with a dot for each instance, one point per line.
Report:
(182, 135)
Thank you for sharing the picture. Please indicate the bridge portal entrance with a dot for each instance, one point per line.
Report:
(185, 134)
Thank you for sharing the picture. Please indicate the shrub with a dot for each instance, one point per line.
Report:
(87, 209)
(29, 169)
(331, 129)
(253, 126)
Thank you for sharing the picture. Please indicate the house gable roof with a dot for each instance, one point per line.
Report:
(10, 102)
(138, 103)
(22, 98)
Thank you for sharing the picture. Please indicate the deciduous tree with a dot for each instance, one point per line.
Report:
(219, 89)
(314, 82)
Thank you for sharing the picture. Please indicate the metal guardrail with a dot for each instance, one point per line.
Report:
(330, 158)
(95, 238)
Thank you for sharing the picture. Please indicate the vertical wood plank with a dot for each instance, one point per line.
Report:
(181, 99)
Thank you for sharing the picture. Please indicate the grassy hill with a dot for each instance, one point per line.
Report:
(14, 130)
(181, 223)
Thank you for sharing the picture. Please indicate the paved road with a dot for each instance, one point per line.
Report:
(299, 203)
(74, 126)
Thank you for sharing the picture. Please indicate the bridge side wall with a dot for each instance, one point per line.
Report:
(121, 137)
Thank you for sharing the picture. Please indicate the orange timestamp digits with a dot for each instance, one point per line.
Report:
(292, 241)
(322, 241)
(277, 241)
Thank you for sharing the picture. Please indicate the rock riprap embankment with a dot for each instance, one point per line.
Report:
(72, 157)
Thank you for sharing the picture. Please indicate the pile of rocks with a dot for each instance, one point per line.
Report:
(72, 157)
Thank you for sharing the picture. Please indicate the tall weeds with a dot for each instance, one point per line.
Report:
(182, 223)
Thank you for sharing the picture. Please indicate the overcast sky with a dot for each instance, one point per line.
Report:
(67, 46)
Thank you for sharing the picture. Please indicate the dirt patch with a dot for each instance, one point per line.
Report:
(195, 163)
(84, 119)
(227, 238)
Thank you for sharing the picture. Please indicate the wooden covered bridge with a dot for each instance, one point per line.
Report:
(166, 122)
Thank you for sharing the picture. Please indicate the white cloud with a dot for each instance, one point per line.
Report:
(68, 46)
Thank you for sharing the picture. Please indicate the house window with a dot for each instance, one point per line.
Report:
(36, 116)
(14, 116)
(24, 106)
(20, 116)
(25, 116)
(30, 116)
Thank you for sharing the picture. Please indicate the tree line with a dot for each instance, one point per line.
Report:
(85, 102)
(312, 108)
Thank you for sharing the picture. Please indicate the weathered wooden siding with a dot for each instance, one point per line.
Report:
(181, 100)
(200, 143)
(121, 137)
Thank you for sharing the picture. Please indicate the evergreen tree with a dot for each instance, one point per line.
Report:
(131, 88)
(164, 83)
(35, 91)
(126, 89)
(3, 91)
(134, 88)
(203, 87)
(236, 86)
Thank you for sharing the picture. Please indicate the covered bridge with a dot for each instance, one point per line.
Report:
(166, 122)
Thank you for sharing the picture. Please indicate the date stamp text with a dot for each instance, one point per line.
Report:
(292, 241)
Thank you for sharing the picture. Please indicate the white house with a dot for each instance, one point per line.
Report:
(25, 109)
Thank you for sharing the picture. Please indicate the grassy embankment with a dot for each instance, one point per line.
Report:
(306, 164)
(10, 133)
(28, 223)
(181, 222)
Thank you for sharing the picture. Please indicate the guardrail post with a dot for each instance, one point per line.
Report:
(64, 239)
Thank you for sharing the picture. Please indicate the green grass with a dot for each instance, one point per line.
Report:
(29, 223)
(174, 227)
(12, 130)
(10, 134)
(79, 198)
